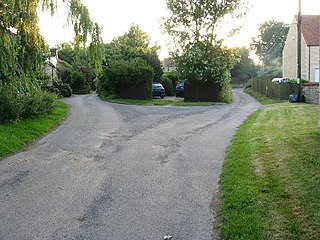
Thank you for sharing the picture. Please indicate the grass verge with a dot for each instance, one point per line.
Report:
(271, 176)
(158, 102)
(15, 136)
(264, 100)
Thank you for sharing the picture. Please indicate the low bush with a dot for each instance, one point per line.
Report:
(79, 84)
(129, 73)
(23, 98)
(225, 94)
(173, 76)
(62, 88)
(167, 84)
(78, 81)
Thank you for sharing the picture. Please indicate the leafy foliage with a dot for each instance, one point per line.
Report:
(23, 98)
(135, 44)
(126, 72)
(245, 68)
(23, 51)
(14, 137)
(131, 61)
(173, 76)
(225, 94)
(200, 58)
(268, 45)
(74, 68)
(167, 84)
(196, 21)
(153, 61)
(206, 64)
(63, 89)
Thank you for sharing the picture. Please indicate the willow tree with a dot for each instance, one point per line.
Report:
(23, 49)
(200, 57)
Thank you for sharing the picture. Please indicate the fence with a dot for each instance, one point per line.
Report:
(279, 91)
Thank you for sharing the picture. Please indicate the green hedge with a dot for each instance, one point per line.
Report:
(23, 98)
(167, 84)
(125, 72)
(173, 75)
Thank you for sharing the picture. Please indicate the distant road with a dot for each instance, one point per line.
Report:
(121, 172)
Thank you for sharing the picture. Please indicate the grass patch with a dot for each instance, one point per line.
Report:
(158, 102)
(271, 176)
(263, 99)
(15, 136)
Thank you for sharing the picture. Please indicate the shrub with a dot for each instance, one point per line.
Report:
(23, 98)
(206, 63)
(104, 86)
(225, 94)
(130, 73)
(173, 76)
(167, 84)
(61, 88)
(79, 84)
(248, 84)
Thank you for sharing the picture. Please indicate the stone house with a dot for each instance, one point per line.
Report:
(168, 65)
(310, 49)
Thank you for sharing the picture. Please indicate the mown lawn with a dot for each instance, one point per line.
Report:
(270, 184)
(15, 136)
(158, 102)
(264, 100)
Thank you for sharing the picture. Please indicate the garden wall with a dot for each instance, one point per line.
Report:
(311, 92)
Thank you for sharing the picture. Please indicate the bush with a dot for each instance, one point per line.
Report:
(225, 94)
(23, 98)
(173, 76)
(248, 84)
(62, 88)
(79, 84)
(206, 63)
(167, 84)
(125, 73)
(104, 86)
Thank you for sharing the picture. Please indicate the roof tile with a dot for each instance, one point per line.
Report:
(311, 29)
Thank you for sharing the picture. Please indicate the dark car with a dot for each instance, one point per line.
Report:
(180, 89)
(158, 90)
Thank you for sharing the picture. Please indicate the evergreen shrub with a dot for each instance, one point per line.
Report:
(23, 98)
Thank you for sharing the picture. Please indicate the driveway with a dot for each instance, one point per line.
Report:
(121, 172)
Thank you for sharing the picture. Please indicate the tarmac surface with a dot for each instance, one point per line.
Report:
(118, 172)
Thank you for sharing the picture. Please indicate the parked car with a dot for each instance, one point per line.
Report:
(280, 80)
(158, 90)
(180, 89)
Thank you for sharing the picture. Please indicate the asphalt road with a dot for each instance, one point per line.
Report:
(121, 172)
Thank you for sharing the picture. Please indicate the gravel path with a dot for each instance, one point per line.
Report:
(121, 172)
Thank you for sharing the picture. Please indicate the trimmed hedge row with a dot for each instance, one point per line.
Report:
(122, 76)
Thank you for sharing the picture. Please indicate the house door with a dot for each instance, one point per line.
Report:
(317, 75)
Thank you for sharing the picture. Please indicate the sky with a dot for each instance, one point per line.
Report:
(116, 17)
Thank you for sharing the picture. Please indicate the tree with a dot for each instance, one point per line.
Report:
(130, 62)
(206, 63)
(194, 21)
(200, 57)
(22, 48)
(268, 45)
(135, 44)
(23, 51)
(76, 60)
(245, 68)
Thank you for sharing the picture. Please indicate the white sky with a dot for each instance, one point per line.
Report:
(117, 16)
